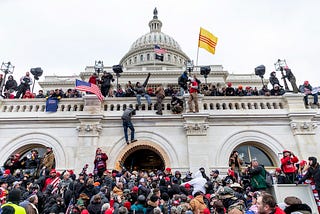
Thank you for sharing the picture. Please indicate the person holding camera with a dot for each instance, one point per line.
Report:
(288, 166)
(25, 83)
(126, 123)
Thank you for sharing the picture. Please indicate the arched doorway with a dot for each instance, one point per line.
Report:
(143, 158)
(26, 158)
(250, 150)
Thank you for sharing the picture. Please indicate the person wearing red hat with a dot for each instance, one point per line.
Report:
(230, 90)
(239, 91)
(53, 180)
(307, 89)
(13, 163)
(7, 177)
(302, 169)
(288, 166)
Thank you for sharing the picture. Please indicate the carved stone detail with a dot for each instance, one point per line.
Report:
(303, 128)
(92, 130)
(194, 129)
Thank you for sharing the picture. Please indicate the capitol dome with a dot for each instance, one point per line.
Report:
(142, 52)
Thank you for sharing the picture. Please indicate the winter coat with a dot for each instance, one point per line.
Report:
(48, 160)
(11, 84)
(198, 183)
(94, 208)
(100, 161)
(258, 178)
(31, 209)
(302, 208)
(315, 173)
(150, 207)
(141, 89)
(127, 114)
(106, 80)
(287, 164)
(197, 204)
(160, 92)
(138, 208)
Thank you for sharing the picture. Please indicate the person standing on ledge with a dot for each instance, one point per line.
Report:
(126, 123)
(193, 97)
(160, 96)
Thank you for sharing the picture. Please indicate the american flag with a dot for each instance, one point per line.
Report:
(89, 87)
(159, 50)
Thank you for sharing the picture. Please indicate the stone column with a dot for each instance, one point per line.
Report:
(196, 128)
(88, 133)
(302, 125)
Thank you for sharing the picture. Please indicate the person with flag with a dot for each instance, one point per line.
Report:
(89, 87)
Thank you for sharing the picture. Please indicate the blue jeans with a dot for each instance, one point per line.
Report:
(315, 98)
(126, 125)
(146, 96)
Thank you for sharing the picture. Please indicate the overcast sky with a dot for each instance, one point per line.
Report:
(65, 36)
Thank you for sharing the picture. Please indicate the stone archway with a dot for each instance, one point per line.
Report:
(24, 143)
(143, 157)
(158, 143)
(125, 153)
(264, 141)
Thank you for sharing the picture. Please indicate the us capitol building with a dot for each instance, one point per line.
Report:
(256, 126)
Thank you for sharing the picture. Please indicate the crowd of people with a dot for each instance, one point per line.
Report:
(31, 184)
(186, 82)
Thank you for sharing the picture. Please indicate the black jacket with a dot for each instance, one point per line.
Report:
(315, 173)
(298, 207)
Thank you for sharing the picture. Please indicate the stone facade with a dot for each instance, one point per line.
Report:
(181, 141)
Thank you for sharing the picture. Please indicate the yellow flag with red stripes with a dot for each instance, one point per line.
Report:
(207, 40)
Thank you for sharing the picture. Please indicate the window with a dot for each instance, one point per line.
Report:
(148, 57)
(141, 58)
(249, 152)
(135, 59)
(169, 57)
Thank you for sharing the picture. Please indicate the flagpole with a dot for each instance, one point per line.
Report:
(197, 56)
(198, 49)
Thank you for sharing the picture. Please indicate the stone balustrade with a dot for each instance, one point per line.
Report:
(118, 104)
